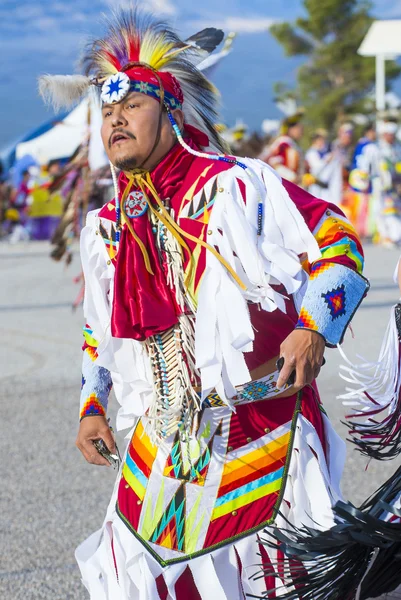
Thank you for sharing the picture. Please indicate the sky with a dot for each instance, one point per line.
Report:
(47, 37)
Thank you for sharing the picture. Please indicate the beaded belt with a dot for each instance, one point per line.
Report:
(260, 389)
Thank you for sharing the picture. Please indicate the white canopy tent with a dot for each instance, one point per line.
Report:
(383, 41)
(65, 137)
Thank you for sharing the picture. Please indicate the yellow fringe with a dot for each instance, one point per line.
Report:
(129, 225)
(142, 180)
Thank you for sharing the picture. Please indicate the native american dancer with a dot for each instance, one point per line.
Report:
(390, 177)
(284, 154)
(200, 275)
(364, 172)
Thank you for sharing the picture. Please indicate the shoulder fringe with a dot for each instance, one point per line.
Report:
(63, 91)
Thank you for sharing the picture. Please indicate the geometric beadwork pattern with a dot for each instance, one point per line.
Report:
(90, 344)
(318, 268)
(335, 300)
(96, 385)
(259, 390)
(110, 240)
(305, 320)
(170, 531)
(92, 406)
(330, 301)
(196, 470)
(213, 400)
(91, 351)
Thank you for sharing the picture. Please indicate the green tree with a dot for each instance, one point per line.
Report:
(334, 81)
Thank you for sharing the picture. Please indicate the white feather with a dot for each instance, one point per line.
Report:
(63, 91)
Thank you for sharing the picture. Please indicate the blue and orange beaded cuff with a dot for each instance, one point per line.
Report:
(95, 391)
(333, 295)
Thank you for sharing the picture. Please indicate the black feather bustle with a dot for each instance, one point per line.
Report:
(362, 550)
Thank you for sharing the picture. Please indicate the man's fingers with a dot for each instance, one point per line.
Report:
(285, 373)
(108, 439)
(305, 375)
(90, 453)
(316, 372)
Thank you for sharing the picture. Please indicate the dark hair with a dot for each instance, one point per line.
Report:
(369, 127)
(318, 136)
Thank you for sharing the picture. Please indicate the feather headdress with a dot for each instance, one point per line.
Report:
(135, 37)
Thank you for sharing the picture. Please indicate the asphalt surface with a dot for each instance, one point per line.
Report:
(50, 499)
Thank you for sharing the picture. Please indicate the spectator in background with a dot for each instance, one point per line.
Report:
(341, 162)
(21, 194)
(285, 154)
(365, 168)
(318, 159)
(390, 181)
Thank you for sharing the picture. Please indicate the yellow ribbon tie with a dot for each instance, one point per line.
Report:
(143, 179)
(129, 225)
(178, 230)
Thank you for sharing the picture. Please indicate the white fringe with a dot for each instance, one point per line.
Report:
(380, 380)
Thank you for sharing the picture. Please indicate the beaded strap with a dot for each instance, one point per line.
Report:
(218, 157)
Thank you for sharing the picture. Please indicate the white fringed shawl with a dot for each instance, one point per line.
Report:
(223, 327)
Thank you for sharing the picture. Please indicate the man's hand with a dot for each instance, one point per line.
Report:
(303, 353)
(95, 428)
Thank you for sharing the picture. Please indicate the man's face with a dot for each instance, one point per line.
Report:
(371, 135)
(389, 138)
(54, 169)
(129, 130)
(297, 131)
(345, 137)
(320, 143)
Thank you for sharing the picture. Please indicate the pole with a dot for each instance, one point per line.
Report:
(380, 82)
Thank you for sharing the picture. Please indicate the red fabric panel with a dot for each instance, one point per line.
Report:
(251, 420)
(270, 581)
(311, 208)
(242, 188)
(185, 587)
(128, 504)
(271, 329)
(247, 518)
(161, 587)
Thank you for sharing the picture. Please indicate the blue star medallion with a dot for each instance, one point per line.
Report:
(115, 88)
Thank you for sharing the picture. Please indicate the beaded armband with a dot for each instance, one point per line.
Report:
(96, 381)
(333, 295)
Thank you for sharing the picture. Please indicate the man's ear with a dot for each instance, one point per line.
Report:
(179, 117)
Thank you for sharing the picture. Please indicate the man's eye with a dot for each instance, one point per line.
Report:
(107, 114)
(132, 106)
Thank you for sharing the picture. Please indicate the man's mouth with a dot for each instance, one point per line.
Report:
(118, 137)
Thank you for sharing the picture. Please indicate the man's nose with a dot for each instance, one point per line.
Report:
(118, 118)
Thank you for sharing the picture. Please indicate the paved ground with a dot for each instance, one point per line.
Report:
(50, 499)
